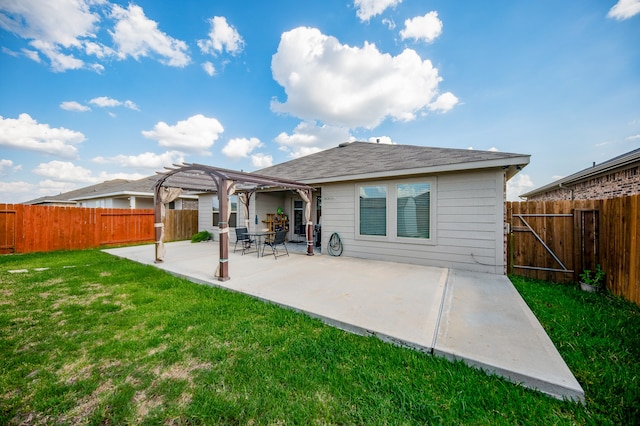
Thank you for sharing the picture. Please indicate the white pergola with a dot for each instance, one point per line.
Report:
(223, 182)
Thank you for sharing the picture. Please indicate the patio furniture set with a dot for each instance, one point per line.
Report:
(258, 239)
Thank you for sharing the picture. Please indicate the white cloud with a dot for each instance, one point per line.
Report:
(52, 26)
(221, 37)
(59, 61)
(195, 134)
(366, 9)
(98, 50)
(382, 139)
(260, 161)
(9, 52)
(310, 137)
(390, 23)
(32, 54)
(131, 105)
(137, 36)
(64, 171)
(74, 106)
(107, 102)
(5, 164)
(241, 147)
(518, 185)
(304, 151)
(349, 86)
(16, 192)
(49, 187)
(62, 29)
(427, 27)
(27, 134)
(209, 68)
(63, 175)
(146, 160)
(104, 101)
(632, 138)
(445, 102)
(624, 9)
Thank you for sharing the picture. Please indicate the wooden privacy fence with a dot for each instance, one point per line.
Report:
(557, 240)
(26, 229)
(180, 224)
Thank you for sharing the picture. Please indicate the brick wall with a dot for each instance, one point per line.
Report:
(617, 184)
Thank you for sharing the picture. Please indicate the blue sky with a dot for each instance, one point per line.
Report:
(92, 90)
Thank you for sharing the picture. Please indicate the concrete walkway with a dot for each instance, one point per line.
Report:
(478, 318)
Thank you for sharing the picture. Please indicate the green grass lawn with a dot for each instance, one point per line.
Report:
(95, 339)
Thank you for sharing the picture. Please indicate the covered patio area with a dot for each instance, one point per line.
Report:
(478, 318)
(201, 178)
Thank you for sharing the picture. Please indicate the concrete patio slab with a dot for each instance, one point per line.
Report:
(486, 323)
(478, 318)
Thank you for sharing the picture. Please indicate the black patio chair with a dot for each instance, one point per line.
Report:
(242, 236)
(278, 240)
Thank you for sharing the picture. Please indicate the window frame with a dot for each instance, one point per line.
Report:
(392, 211)
(357, 212)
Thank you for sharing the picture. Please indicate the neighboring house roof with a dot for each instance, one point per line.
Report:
(140, 187)
(111, 188)
(366, 160)
(66, 197)
(617, 163)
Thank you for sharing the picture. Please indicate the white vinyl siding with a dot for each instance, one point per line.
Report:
(205, 213)
(467, 212)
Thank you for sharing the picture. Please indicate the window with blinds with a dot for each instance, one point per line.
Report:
(413, 210)
(373, 210)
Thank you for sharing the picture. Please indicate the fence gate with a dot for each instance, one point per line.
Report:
(553, 246)
(7, 231)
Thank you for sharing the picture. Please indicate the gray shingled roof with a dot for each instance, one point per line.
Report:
(115, 186)
(617, 163)
(140, 186)
(362, 159)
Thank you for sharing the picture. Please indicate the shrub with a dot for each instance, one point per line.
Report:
(201, 236)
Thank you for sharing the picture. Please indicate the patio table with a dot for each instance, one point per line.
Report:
(259, 237)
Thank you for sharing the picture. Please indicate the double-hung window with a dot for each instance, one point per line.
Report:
(413, 210)
(373, 210)
(396, 211)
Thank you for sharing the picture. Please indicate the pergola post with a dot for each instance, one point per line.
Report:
(223, 226)
(157, 223)
(309, 224)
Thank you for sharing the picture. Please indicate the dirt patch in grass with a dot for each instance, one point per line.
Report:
(82, 300)
(75, 371)
(145, 404)
(5, 298)
(156, 350)
(184, 370)
(87, 405)
(52, 282)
